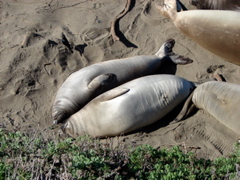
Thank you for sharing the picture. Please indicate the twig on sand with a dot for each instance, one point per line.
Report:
(217, 76)
(119, 16)
(44, 66)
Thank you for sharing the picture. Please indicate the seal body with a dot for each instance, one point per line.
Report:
(221, 100)
(85, 84)
(128, 107)
(217, 4)
(217, 31)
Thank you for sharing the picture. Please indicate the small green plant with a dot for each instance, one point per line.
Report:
(33, 156)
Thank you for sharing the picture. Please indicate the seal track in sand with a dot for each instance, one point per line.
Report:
(222, 145)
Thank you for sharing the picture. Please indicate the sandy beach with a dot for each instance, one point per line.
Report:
(35, 62)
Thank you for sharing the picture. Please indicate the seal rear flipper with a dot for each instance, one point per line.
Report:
(178, 59)
(114, 93)
(188, 107)
(101, 82)
(168, 8)
(166, 48)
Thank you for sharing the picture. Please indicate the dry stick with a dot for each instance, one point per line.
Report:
(44, 66)
(217, 76)
(113, 22)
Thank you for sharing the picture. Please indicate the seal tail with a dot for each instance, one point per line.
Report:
(166, 48)
(168, 8)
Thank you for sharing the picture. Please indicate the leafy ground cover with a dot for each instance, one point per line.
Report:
(33, 156)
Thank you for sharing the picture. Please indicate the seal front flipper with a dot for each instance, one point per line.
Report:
(102, 82)
(178, 59)
(114, 93)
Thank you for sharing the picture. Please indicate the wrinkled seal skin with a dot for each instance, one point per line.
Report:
(85, 84)
(217, 4)
(221, 100)
(128, 107)
(216, 30)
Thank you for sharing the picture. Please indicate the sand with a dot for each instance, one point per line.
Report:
(35, 62)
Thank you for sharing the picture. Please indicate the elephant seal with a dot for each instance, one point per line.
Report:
(129, 107)
(217, 31)
(217, 4)
(85, 84)
(220, 99)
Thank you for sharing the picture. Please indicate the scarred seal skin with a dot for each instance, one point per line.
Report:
(85, 84)
(128, 107)
(221, 100)
(216, 30)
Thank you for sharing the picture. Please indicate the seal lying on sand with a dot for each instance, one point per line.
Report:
(217, 31)
(85, 84)
(221, 100)
(217, 4)
(128, 107)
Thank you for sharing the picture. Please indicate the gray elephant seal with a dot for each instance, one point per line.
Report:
(217, 31)
(220, 99)
(217, 4)
(128, 107)
(85, 84)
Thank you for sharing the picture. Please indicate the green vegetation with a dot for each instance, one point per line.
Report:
(25, 156)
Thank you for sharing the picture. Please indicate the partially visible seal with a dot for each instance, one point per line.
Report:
(216, 30)
(85, 84)
(217, 4)
(220, 99)
(128, 107)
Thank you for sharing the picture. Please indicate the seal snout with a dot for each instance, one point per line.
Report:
(59, 115)
(56, 116)
(55, 122)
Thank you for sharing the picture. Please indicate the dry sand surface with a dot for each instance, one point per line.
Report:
(34, 63)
